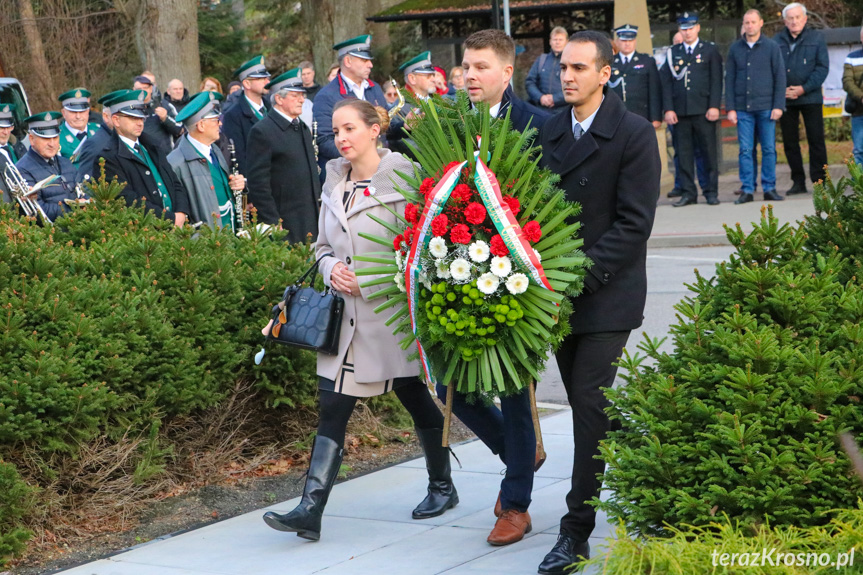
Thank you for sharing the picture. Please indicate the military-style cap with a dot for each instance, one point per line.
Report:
(254, 68)
(201, 106)
(420, 64)
(105, 100)
(687, 20)
(359, 47)
(129, 104)
(45, 124)
(626, 32)
(77, 100)
(291, 80)
(7, 115)
(143, 80)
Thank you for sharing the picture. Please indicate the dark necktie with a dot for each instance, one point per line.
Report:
(689, 50)
(81, 136)
(213, 157)
(295, 123)
(137, 147)
(577, 131)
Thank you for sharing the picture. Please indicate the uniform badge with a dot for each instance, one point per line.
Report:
(78, 93)
(69, 138)
(48, 116)
(680, 62)
(616, 71)
(141, 97)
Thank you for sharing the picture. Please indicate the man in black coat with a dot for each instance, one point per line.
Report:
(159, 125)
(635, 78)
(283, 175)
(691, 93)
(248, 110)
(608, 161)
(88, 155)
(135, 159)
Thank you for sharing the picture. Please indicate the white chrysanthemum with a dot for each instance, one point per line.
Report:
(437, 247)
(424, 279)
(516, 284)
(460, 269)
(487, 283)
(538, 256)
(442, 269)
(400, 282)
(399, 261)
(501, 266)
(478, 251)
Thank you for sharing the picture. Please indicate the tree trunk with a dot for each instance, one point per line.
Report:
(35, 49)
(330, 22)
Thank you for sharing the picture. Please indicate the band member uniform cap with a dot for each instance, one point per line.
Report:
(687, 20)
(291, 80)
(626, 32)
(77, 100)
(359, 47)
(203, 105)
(110, 96)
(254, 68)
(44, 124)
(130, 104)
(7, 115)
(420, 64)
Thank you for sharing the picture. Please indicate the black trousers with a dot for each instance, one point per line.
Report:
(694, 131)
(813, 121)
(585, 363)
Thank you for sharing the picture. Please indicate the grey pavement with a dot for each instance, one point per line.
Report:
(367, 527)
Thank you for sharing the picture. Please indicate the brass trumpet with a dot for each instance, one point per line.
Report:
(400, 103)
(21, 192)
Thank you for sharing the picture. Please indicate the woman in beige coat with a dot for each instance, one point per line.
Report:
(370, 361)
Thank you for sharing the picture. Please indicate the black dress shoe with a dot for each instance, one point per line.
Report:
(684, 201)
(772, 196)
(744, 199)
(713, 201)
(564, 553)
(675, 193)
(797, 188)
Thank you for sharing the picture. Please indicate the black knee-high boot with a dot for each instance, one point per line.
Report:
(305, 520)
(441, 491)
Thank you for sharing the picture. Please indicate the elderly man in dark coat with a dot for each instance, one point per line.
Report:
(43, 160)
(202, 168)
(135, 159)
(283, 177)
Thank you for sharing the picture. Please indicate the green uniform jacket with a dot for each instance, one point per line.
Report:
(69, 143)
(194, 172)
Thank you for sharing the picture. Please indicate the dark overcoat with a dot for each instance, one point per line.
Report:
(237, 122)
(140, 183)
(89, 153)
(194, 172)
(283, 178)
(639, 81)
(613, 172)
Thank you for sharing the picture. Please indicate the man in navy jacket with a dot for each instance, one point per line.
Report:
(755, 99)
(806, 68)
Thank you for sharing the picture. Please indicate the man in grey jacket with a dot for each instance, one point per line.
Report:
(755, 100)
(202, 168)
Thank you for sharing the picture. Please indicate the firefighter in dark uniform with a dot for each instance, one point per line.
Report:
(635, 78)
(691, 94)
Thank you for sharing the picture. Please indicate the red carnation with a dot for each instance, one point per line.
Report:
(474, 213)
(462, 193)
(513, 203)
(450, 166)
(412, 213)
(532, 231)
(397, 242)
(498, 247)
(427, 186)
(439, 225)
(409, 236)
(460, 234)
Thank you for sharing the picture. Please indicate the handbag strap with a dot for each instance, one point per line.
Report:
(313, 270)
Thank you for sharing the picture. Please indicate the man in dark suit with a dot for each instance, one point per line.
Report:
(691, 93)
(135, 159)
(249, 109)
(488, 62)
(92, 146)
(635, 79)
(283, 177)
(608, 161)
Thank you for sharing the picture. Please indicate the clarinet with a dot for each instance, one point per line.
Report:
(315, 143)
(239, 195)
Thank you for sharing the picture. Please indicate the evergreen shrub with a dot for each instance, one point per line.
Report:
(112, 321)
(741, 418)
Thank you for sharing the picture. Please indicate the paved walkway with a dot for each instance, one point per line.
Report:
(367, 527)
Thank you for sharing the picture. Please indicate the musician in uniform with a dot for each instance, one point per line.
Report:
(419, 77)
(691, 93)
(635, 78)
(92, 145)
(133, 157)
(283, 177)
(199, 164)
(43, 160)
(76, 128)
(352, 81)
(9, 153)
(250, 107)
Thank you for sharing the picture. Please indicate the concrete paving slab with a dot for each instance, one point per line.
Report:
(111, 567)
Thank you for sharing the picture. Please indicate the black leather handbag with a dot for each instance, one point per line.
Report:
(307, 318)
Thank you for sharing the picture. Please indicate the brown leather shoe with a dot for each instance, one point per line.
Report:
(497, 507)
(510, 527)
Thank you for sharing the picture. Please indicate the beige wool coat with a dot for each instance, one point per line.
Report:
(376, 354)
